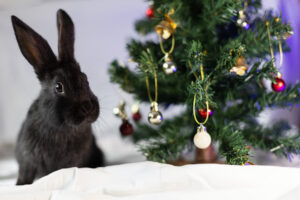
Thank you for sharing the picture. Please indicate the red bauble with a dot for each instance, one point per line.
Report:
(126, 128)
(203, 112)
(279, 86)
(136, 116)
(150, 12)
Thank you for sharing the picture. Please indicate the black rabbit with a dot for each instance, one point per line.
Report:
(57, 132)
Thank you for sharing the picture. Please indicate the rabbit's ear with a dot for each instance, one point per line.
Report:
(34, 48)
(66, 36)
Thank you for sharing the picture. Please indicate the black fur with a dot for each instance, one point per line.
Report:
(57, 132)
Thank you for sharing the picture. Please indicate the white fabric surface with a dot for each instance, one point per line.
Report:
(149, 180)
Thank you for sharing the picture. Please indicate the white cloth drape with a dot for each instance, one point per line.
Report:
(149, 180)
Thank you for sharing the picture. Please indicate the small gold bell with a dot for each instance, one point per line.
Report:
(241, 66)
(202, 139)
(168, 66)
(155, 117)
(166, 27)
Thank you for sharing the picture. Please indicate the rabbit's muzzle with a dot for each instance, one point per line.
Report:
(89, 109)
(86, 111)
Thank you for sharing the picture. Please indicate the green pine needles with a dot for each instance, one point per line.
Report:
(210, 26)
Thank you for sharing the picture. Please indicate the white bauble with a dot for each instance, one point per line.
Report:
(202, 139)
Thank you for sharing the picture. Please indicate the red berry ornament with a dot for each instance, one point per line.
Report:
(126, 128)
(136, 116)
(279, 86)
(203, 112)
(150, 12)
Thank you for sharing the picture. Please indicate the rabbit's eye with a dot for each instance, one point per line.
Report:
(59, 88)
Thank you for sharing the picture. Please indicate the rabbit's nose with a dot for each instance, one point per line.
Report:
(86, 107)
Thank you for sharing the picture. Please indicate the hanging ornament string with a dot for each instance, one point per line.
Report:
(165, 29)
(162, 46)
(280, 51)
(154, 117)
(202, 139)
(155, 86)
(195, 98)
(271, 48)
(167, 26)
(279, 84)
(190, 65)
(280, 44)
(194, 111)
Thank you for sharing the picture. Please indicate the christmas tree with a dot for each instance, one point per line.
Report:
(214, 57)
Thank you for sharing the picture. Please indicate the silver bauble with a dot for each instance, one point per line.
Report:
(155, 117)
(169, 67)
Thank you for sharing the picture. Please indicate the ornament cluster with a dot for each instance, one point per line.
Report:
(126, 127)
(166, 30)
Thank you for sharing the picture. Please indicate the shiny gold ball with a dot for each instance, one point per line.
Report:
(155, 117)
